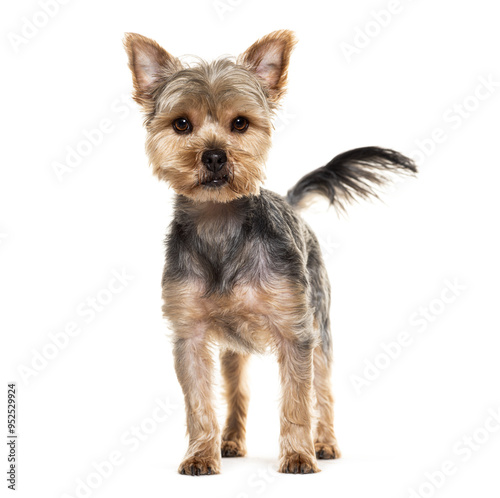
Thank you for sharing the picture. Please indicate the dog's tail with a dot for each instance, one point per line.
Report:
(355, 173)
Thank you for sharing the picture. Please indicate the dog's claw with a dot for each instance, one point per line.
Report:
(232, 449)
(199, 466)
(298, 464)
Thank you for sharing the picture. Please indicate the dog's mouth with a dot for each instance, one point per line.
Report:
(215, 182)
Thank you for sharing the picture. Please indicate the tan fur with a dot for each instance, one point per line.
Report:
(325, 442)
(296, 372)
(176, 159)
(151, 65)
(211, 96)
(269, 58)
(194, 368)
(252, 319)
(233, 369)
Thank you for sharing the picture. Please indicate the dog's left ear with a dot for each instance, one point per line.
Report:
(268, 58)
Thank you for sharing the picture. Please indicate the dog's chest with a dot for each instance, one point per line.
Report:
(242, 318)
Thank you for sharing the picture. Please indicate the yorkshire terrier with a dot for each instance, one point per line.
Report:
(242, 269)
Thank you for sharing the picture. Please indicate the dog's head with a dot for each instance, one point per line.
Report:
(209, 124)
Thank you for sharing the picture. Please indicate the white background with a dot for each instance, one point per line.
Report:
(60, 241)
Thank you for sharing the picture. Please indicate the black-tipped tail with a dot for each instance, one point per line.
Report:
(355, 173)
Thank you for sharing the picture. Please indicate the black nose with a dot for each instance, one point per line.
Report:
(214, 160)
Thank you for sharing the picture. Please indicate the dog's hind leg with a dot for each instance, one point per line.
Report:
(325, 443)
(233, 369)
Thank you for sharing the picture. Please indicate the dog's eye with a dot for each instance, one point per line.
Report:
(182, 125)
(240, 124)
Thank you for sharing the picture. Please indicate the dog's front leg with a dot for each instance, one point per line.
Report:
(297, 454)
(194, 368)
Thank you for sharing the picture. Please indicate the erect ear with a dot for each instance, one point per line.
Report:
(268, 58)
(151, 66)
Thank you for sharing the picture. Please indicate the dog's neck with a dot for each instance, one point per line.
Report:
(214, 221)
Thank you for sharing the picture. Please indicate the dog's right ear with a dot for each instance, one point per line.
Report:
(151, 66)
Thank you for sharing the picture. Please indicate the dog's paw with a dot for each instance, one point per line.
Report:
(232, 449)
(199, 466)
(298, 463)
(327, 451)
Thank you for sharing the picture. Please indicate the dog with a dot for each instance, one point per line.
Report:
(243, 270)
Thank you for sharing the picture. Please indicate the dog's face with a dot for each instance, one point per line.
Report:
(209, 125)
